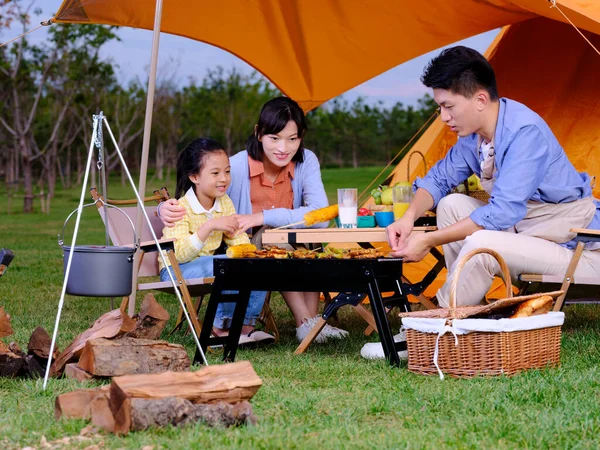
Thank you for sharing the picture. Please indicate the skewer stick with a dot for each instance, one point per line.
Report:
(289, 225)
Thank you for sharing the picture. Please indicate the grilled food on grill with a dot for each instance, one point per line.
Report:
(240, 251)
(321, 215)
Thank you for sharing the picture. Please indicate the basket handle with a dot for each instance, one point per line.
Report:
(415, 152)
(461, 264)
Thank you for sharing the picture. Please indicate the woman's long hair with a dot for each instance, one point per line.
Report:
(274, 116)
(190, 162)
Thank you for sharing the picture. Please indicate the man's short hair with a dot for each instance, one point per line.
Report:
(460, 70)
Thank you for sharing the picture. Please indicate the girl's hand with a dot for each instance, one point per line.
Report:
(171, 212)
(248, 221)
(227, 224)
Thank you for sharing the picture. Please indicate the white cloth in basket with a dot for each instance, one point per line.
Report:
(464, 326)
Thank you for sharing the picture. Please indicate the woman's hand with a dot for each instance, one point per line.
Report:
(248, 221)
(171, 212)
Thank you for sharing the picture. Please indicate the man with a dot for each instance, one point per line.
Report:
(536, 193)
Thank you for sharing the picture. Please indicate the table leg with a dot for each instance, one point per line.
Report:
(237, 321)
(383, 326)
(209, 319)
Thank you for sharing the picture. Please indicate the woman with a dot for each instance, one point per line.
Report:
(274, 182)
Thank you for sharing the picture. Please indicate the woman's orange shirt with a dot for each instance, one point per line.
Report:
(265, 194)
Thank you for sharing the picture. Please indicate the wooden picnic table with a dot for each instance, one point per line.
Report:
(330, 235)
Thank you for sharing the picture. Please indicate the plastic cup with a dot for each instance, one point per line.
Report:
(347, 204)
(401, 197)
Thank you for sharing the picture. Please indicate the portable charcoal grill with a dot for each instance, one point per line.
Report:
(353, 278)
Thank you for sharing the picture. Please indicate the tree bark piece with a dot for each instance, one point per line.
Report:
(127, 356)
(161, 412)
(5, 327)
(76, 404)
(73, 371)
(151, 319)
(230, 383)
(109, 325)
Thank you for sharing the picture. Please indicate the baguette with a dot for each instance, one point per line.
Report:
(533, 307)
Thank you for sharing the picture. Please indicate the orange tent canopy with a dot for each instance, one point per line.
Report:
(314, 50)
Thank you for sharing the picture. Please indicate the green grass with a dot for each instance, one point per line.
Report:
(326, 398)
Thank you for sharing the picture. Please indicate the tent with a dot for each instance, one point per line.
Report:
(314, 50)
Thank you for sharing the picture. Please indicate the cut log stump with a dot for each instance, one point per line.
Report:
(126, 356)
(229, 383)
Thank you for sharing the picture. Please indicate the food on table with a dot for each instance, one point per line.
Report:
(387, 197)
(533, 307)
(321, 215)
(240, 251)
(376, 194)
(364, 212)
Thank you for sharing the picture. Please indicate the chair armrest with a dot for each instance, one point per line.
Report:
(165, 244)
(586, 234)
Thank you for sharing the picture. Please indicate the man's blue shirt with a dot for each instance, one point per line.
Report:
(530, 165)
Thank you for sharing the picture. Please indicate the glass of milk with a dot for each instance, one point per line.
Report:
(347, 204)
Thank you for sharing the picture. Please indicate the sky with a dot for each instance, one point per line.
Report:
(193, 59)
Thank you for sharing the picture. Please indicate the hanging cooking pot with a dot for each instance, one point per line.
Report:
(99, 270)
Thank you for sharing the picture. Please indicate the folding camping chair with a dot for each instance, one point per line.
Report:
(581, 284)
(120, 234)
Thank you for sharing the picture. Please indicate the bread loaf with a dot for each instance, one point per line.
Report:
(533, 307)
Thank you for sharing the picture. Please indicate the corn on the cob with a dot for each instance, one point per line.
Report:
(321, 215)
(240, 251)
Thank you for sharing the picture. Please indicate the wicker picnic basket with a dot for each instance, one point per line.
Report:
(531, 342)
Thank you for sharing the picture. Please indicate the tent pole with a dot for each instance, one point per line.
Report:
(146, 140)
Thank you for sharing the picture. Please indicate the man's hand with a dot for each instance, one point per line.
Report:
(171, 212)
(248, 221)
(399, 231)
(414, 248)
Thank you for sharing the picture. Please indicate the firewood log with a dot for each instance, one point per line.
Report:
(73, 371)
(230, 383)
(109, 325)
(126, 356)
(76, 404)
(39, 344)
(151, 320)
(161, 412)
(5, 327)
(10, 363)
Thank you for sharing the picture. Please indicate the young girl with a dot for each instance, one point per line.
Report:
(203, 176)
(275, 182)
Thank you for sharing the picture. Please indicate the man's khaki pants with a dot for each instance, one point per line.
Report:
(523, 254)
